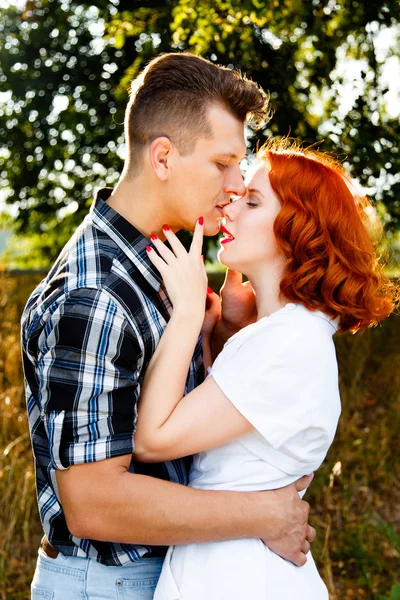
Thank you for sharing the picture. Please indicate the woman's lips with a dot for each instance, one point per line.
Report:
(227, 232)
(226, 239)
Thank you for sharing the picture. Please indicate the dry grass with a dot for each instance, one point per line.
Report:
(19, 522)
(355, 496)
(356, 507)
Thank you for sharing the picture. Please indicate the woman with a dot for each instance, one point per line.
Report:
(267, 413)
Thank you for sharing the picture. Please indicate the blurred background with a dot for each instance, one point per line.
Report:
(332, 68)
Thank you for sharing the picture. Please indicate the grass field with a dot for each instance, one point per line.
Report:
(355, 496)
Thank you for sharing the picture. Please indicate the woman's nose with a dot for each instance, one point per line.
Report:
(229, 211)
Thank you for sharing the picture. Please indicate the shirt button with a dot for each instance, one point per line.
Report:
(291, 306)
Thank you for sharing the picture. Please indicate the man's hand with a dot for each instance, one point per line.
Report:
(293, 534)
(238, 309)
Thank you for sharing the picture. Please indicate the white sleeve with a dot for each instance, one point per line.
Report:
(285, 382)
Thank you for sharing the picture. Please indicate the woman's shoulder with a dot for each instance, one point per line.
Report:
(291, 336)
(297, 317)
(289, 322)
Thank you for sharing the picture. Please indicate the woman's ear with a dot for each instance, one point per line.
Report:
(159, 154)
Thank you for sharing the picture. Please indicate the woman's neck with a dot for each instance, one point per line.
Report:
(267, 290)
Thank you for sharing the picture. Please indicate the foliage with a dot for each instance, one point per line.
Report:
(66, 68)
(395, 592)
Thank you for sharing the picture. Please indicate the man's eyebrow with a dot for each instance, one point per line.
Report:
(229, 154)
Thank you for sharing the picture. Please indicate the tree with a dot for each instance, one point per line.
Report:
(66, 68)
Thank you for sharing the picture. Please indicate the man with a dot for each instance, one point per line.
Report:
(89, 331)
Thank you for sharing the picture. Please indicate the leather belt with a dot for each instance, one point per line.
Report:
(48, 549)
(51, 552)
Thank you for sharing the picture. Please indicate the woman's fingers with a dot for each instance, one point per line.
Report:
(197, 241)
(157, 261)
(162, 249)
(177, 247)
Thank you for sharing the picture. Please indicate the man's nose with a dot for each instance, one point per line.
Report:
(235, 184)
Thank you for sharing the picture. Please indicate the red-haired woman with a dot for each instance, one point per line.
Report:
(268, 410)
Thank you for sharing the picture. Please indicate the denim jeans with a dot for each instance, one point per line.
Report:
(72, 578)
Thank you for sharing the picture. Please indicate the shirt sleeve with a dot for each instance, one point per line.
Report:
(88, 370)
(285, 382)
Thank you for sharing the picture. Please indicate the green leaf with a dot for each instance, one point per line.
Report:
(395, 592)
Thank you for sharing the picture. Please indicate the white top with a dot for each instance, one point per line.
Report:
(281, 374)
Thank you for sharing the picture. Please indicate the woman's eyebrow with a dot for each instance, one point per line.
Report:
(254, 191)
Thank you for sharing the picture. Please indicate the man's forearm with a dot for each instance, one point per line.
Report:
(104, 501)
(164, 513)
(137, 509)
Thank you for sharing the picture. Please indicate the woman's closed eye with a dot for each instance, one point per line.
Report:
(252, 199)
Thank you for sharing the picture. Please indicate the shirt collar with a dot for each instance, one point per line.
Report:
(129, 239)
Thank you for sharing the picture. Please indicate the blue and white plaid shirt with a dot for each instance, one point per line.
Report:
(89, 331)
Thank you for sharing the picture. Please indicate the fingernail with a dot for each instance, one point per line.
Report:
(201, 220)
(210, 291)
(148, 249)
(202, 257)
(153, 236)
(165, 227)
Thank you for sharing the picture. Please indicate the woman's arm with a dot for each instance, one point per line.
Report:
(203, 419)
(165, 378)
(170, 426)
(207, 356)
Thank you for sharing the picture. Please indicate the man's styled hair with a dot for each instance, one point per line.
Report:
(171, 98)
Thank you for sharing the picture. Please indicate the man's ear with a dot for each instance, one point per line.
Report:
(159, 155)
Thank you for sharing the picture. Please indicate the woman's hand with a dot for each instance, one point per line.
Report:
(183, 272)
(238, 309)
(212, 314)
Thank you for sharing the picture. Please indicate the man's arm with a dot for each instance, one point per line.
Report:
(104, 501)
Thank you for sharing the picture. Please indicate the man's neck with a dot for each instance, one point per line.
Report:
(136, 202)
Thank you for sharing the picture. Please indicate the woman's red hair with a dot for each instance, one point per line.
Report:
(330, 261)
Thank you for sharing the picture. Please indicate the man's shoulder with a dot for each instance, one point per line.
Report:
(89, 269)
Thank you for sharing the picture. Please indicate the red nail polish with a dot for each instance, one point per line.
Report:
(202, 257)
(166, 228)
(210, 291)
(201, 220)
(153, 236)
(148, 248)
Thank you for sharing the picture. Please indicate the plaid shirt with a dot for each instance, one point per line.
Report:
(89, 331)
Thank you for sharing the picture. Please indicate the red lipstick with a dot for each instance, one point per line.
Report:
(228, 236)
